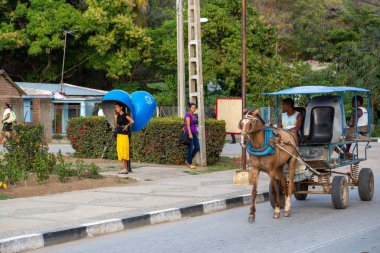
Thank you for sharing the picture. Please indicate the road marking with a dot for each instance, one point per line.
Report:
(324, 244)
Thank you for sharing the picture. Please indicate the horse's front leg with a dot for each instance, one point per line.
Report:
(272, 176)
(288, 202)
(255, 180)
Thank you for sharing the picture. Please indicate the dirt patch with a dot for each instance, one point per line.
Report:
(52, 186)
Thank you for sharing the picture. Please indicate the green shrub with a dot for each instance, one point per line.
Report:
(376, 131)
(91, 137)
(26, 151)
(63, 169)
(93, 171)
(80, 169)
(157, 143)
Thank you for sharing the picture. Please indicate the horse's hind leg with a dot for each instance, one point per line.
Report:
(272, 176)
(255, 179)
(288, 202)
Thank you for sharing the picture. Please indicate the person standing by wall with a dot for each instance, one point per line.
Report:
(191, 129)
(8, 118)
(122, 126)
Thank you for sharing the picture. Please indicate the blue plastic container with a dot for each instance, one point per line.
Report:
(145, 107)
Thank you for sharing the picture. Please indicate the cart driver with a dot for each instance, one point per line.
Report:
(362, 118)
(290, 120)
(362, 122)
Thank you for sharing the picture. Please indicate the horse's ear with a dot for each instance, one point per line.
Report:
(256, 112)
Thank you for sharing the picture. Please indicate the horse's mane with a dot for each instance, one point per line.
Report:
(255, 114)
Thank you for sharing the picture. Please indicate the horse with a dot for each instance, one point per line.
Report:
(283, 145)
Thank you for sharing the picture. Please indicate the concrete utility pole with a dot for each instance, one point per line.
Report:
(195, 73)
(180, 62)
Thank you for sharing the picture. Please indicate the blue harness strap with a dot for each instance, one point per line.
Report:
(267, 149)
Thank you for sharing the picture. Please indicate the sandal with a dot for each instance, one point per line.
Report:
(124, 172)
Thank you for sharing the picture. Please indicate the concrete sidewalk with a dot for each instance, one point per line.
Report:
(52, 219)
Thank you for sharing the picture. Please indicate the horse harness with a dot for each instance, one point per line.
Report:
(271, 139)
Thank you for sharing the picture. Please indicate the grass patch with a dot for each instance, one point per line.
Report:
(3, 196)
(126, 180)
(224, 163)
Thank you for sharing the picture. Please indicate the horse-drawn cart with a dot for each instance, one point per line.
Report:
(317, 161)
(323, 145)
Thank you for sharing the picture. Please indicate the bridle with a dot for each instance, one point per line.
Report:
(253, 121)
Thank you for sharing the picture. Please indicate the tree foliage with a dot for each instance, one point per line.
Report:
(132, 44)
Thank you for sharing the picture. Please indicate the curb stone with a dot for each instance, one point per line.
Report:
(35, 241)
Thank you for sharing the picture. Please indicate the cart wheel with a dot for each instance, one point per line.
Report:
(299, 186)
(366, 184)
(339, 194)
(282, 196)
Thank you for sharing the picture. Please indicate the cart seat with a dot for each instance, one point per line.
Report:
(321, 125)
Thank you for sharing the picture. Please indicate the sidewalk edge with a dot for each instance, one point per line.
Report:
(35, 241)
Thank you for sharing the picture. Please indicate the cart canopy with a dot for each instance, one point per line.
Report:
(316, 90)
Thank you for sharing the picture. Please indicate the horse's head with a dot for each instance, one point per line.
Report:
(250, 123)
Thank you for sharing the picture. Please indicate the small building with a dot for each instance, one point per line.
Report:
(50, 104)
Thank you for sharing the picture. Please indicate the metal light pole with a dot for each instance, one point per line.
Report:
(243, 73)
(180, 61)
(64, 54)
(243, 177)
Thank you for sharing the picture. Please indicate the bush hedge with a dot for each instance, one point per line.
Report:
(91, 137)
(156, 143)
(26, 151)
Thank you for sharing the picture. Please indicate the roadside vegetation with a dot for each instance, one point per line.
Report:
(131, 45)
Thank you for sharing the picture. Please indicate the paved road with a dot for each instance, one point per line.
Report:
(314, 227)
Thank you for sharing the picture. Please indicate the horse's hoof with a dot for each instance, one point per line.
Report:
(251, 218)
(276, 216)
(287, 214)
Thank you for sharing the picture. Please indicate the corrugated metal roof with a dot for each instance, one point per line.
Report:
(68, 89)
(36, 92)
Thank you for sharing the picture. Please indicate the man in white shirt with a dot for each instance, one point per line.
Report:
(362, 122)
(8, 119)
(100, 112)
(362, 113)
(290, 120)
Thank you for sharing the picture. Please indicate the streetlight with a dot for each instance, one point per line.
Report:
(243, 73)
(242, 176)
(64, 52)
(180, 61)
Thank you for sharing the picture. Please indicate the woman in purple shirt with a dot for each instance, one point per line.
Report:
(191, 122)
